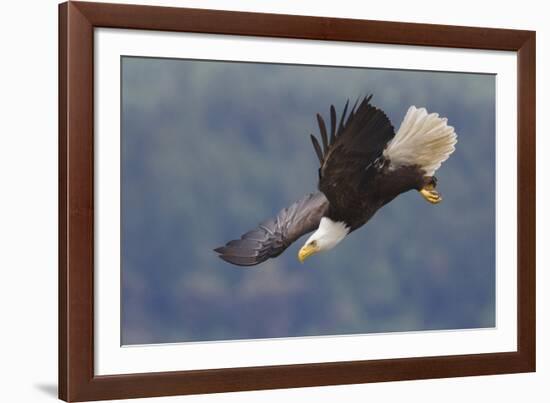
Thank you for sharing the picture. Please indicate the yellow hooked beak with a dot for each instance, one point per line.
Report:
(307, 251)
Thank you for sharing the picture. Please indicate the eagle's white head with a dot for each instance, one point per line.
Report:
(327, 236)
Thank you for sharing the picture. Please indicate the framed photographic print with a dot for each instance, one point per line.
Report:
(255, 201)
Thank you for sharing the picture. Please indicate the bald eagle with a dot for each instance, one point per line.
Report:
(364, 165)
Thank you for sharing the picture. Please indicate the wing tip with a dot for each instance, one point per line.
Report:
(241, 253)
(241, 261)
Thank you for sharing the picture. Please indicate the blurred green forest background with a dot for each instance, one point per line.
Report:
(210, 149)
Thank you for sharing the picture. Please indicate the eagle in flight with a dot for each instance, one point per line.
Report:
(364, 164)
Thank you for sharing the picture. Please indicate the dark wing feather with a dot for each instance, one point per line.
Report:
(359, 141)
(323, 131)
(273, 236)
(341, 125)
(317, 148)
(332, 124)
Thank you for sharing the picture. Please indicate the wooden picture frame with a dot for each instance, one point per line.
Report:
(77, 21)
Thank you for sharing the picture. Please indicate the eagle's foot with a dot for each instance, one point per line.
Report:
(431, 195)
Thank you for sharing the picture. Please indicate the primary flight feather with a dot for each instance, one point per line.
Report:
(364, 165)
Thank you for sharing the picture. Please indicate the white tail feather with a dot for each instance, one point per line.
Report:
(423, 139)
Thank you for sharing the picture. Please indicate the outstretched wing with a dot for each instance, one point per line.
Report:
(353, 149)
(273, 236)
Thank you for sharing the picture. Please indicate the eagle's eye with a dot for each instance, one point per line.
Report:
(313, 244)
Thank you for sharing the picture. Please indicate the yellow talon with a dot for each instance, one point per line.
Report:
(430, 194)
